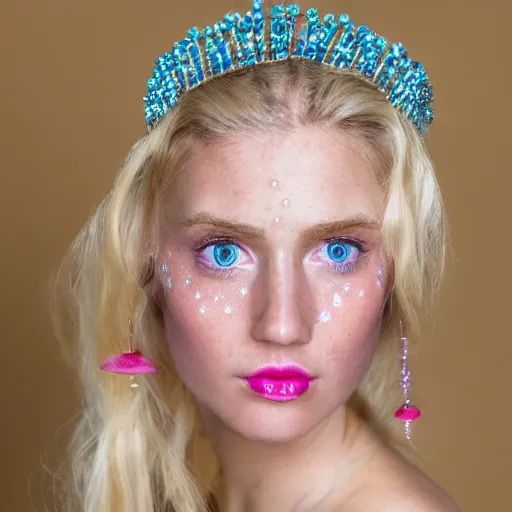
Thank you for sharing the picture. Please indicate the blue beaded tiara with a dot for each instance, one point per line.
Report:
(239, 42)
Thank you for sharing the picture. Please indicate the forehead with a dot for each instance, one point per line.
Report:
(316, 174)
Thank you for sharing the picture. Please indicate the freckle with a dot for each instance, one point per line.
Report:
(324, 317)
(198, 295)
(168, 283)
(165, 268)
(361, 293)
(286, 203)
(274, 183)
(336, 301)
(188, 282)
(202, 309)
(244, 291)
(228, 310)
(346, 287)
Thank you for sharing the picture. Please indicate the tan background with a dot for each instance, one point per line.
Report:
(72, 78)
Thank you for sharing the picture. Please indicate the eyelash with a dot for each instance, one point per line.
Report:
(341, 268)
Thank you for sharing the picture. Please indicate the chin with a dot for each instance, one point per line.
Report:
(273, 422)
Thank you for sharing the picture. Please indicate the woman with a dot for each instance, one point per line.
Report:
(264, 254)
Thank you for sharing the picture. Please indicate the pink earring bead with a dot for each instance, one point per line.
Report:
(407, 413)
(129, 363)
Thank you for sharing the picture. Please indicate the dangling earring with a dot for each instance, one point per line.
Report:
(406, 412)
(129, 363)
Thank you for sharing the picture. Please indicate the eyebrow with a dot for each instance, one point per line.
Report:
(323, 230)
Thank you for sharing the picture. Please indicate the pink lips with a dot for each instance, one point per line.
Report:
(280, 383)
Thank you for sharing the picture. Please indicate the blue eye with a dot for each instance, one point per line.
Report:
(340, 255)
(222, 256)
(338, 251)
(225, 254)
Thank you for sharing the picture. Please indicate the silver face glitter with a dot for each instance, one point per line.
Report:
(324, 317)
(286, 203)
(244, 291)
(228, 310)
(202, 309)
(168, 283)
(277, 219)
(379, 276)
(188, 282)
(165, 268)
(336, 300)
(346, 287)
(197, 295)
(274, 183)
(361, 293)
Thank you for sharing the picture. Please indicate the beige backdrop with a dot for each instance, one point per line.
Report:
(72, 80)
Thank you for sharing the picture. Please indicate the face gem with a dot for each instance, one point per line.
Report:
(324, 317)
(336, 301)
(379, 275)
(277, 219)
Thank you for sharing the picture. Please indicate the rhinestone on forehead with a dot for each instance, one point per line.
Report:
(242, 41)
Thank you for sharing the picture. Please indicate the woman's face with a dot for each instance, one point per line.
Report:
(272, 257)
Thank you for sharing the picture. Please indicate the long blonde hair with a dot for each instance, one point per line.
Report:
(135, 450)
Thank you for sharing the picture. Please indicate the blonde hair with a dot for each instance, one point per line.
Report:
(135, 451)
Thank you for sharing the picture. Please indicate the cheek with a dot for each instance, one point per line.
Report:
(202, 321)
(349, 322)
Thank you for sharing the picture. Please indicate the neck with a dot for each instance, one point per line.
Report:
(299, 475)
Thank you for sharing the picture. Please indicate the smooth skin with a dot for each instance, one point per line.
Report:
(302, 280)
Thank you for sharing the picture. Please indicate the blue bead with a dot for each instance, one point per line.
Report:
(294, 9)
(344, 19)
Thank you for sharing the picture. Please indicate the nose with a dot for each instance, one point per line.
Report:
(283, 310)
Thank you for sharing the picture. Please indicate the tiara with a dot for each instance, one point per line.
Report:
(239, 42)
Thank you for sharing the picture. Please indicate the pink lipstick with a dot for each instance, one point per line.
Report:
(279, 383)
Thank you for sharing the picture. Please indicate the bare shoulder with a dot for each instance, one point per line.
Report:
(414, 498)
(389, 483)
